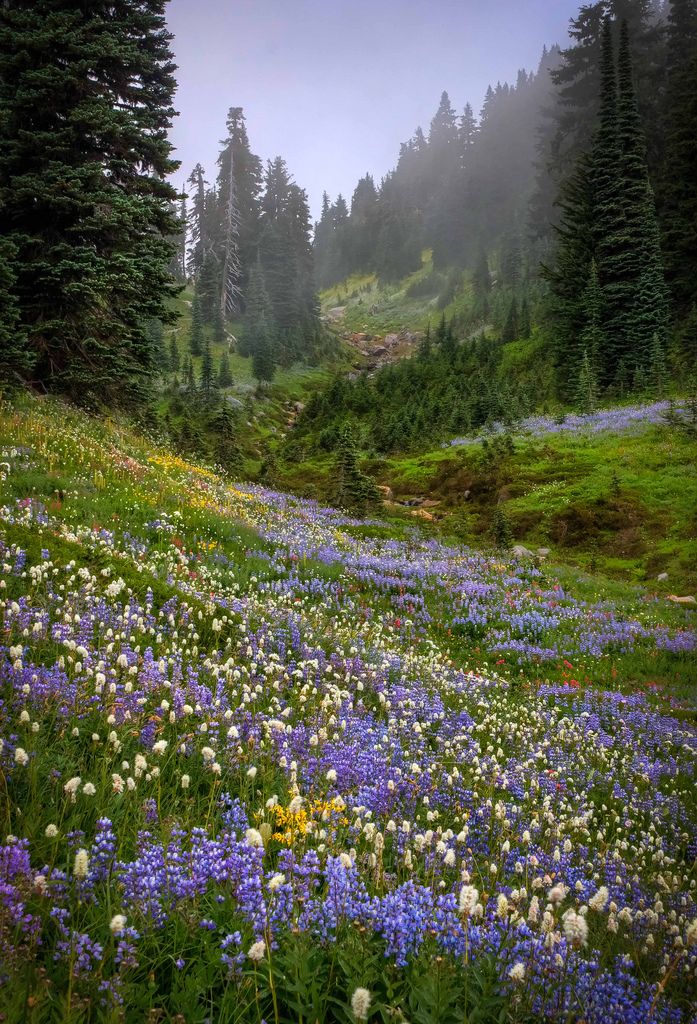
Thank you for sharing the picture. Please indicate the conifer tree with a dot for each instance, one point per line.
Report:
(197, 222)
(174, 360)
(207, 379)
(219, 333)
(86, 97)
(609, 229)
(196, 329)
(227, 448)
(189, 378)
(224, 373)
(658, 372)
(15, 359)
(354, 491)
(482, 276)
(592, 336)
(259, 329)
(503, 534)
(425, 348)
(524, 325)
(678, 181)
(587, 387)
(208, 285)
(646, 313)
(510, 329)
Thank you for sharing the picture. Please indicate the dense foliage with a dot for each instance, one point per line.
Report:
(85, 209)
(448, 388)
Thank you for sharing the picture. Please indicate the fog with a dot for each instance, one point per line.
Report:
(334, 87)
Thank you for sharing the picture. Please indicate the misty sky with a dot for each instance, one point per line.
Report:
(335, 86)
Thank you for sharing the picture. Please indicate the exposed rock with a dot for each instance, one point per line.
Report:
(391, 340)
(519, 551)
(662, 577)
(386, 492)
(466, 494)
(337, 313)
(430, 503)
(682, 600)
(543, 552)
(421, 513)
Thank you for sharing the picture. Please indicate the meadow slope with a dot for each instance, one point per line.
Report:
(257, 756)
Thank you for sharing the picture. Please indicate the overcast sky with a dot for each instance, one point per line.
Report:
(334, 86)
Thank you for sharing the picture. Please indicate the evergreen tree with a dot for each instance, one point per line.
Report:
(678, 180)
(259, 329)
(198, 222)
(587, 387)
(658, 372)
(503, 535)
(647, 310)
(224, 374)
(174, 360)
(592, 336)
(238, 190)
(15, 359)
(609, 229)
(207, 381)
(208, 287)
(481, 276)
(189, 378)
(524, 326)
(354, 491)
(510, 330)
(86, 97)
(227, 448)
(219, 333)
(425, 348)
(196, 330)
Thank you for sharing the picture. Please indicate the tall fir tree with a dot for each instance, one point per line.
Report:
(259, 335)
(239, 186)
(15, 359)
(678, 180)
(86, 97)
(646, 313)
(197, 222)
(196, 328)
(207, 383)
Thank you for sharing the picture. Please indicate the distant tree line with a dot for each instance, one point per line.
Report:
(248, 239)
(570, 203)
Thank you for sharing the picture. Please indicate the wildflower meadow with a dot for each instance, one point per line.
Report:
(260, 761)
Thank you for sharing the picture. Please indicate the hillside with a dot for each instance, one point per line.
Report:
(212, 803)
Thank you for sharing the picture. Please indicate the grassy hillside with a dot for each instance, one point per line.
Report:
(213, 810)
(620, 501)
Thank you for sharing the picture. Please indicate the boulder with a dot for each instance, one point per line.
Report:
(466, 495)
(421, 513)
(391, 340)
(543, 552)
(662, 577)
(430, 503)
(386, 492)
(682, 600)
(336, 313)
(519, 551)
